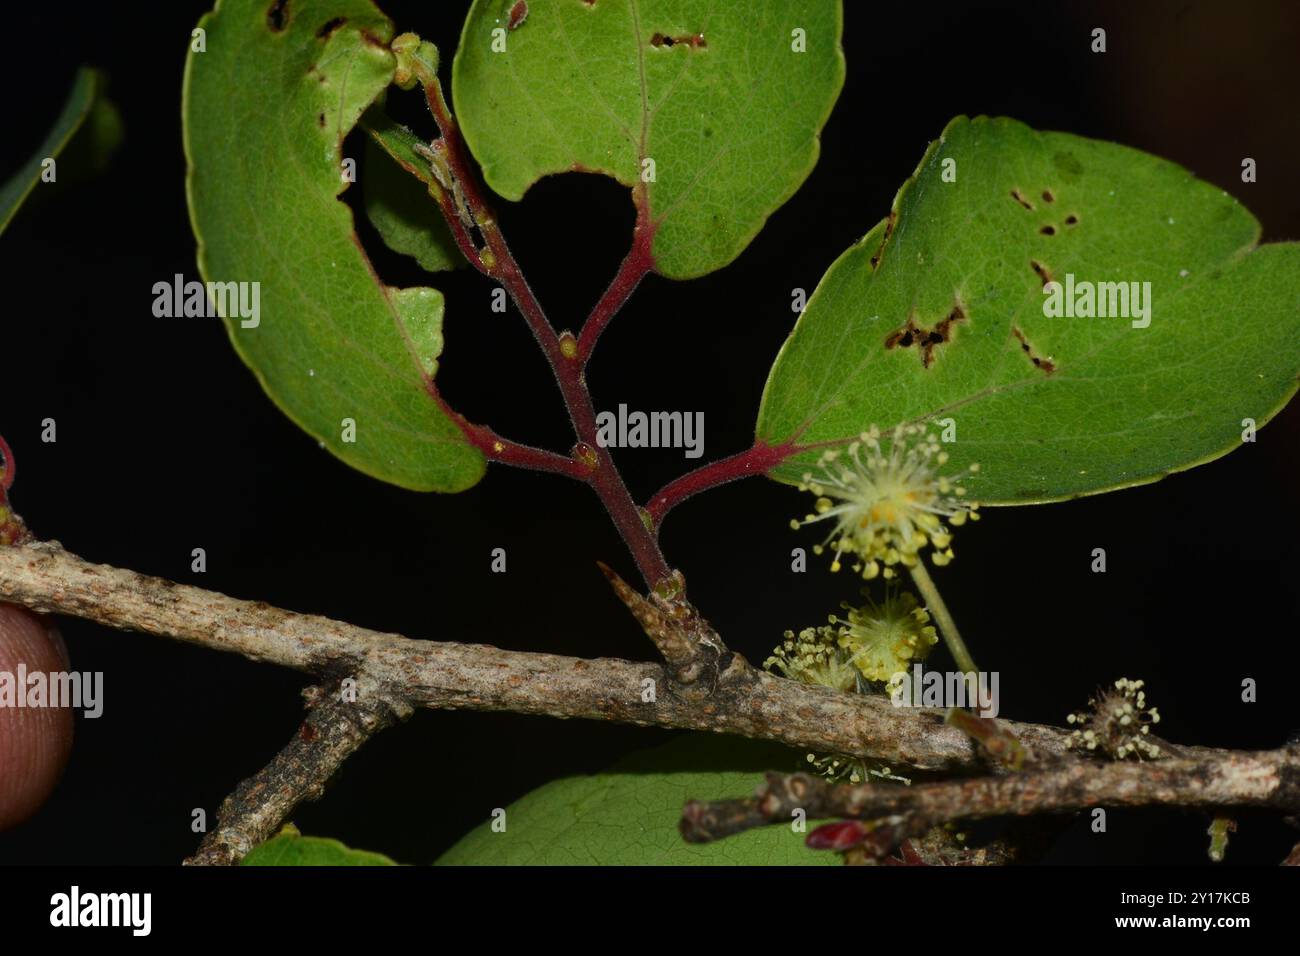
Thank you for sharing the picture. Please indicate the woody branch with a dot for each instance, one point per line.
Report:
(1209, 780)
(402, 673)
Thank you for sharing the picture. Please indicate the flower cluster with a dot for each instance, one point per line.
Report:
(874, 643)
(887, 507)
(813, 656)
(1119, 723)
(852, 769)
(885, 639)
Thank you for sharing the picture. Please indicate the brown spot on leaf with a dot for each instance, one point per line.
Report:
(926, 340)
(518, 14)
(1047, 196)
(277, 16)
(889, 231)
(1048, 230)
(327, 30)
(695, 41)
(1045, 365)
(1015, 194)
(1041, 270)
(1071, 220)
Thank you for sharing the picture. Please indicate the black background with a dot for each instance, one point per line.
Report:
(165, 442)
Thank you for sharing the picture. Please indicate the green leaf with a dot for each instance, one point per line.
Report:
(731, 121)
(266, 110)
(405, 215)
(1050, 407)
(85, 100)
(401, 145)
(290, 848)
(628, 815)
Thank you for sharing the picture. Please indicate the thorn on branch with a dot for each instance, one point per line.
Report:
(691, 647)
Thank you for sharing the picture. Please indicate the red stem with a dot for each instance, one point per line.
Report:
(639, 261)
(496, 448)
(756, 460)
(596, 462)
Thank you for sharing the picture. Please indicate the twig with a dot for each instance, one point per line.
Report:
(755, 460)
(999, 743)
(1269, 778)
(507, 452)
(746, 702)
(638, 263)
(460, 197)
(339, 721)
(563, 353)
(690, 646)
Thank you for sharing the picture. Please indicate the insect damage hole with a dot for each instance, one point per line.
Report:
(277, 17)
(328, 28)
(926, 340)
(1045, 365)
(1015, 194)
(889, 231)
(695, 41)
(1041, 271)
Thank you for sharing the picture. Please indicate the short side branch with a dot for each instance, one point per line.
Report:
(637, 264)
(755, 460)
(339, 720)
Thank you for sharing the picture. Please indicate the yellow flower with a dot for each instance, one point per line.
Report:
(814, 656)
(887, 507)
(885, 639)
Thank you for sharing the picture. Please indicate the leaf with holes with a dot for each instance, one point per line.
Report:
(628, 815)
(709, 111)
(266, 109)
(1090, 317)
